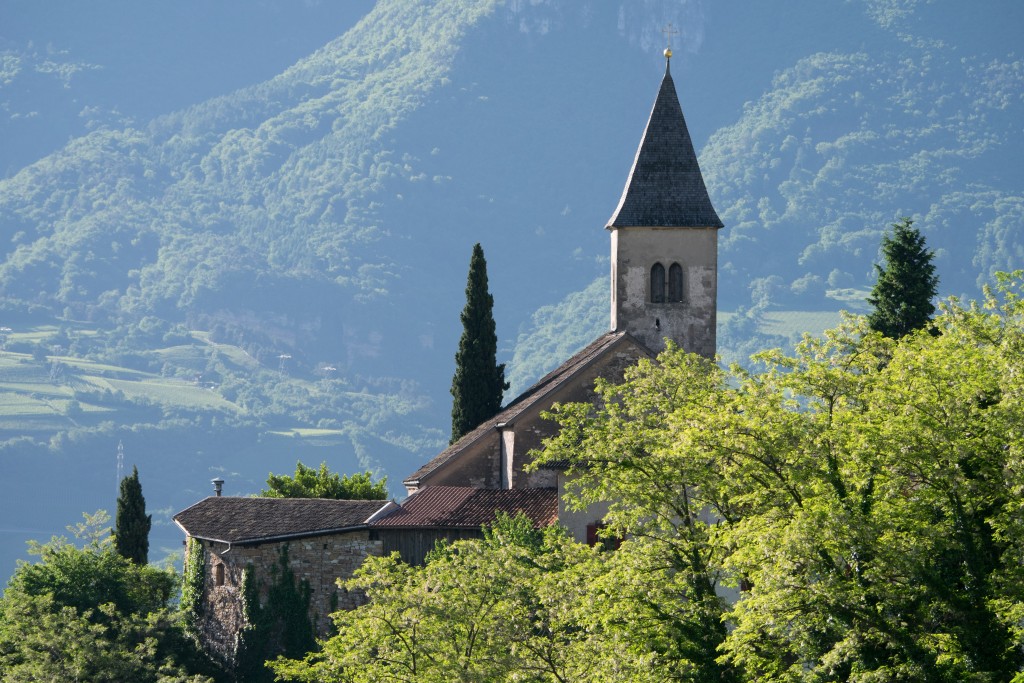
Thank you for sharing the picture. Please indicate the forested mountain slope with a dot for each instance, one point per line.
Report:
(277, 271)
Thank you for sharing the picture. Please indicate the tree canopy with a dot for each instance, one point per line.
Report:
(860, 496)
(322, 483)
(518, 605)
(905, 290)
(91, 614)
(479, 380)
(849, 511)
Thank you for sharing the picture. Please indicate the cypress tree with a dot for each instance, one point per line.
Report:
(902, 297)
(131, 530)
(479, 381)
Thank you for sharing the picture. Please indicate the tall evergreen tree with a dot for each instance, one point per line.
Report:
(902, 297)
(479, 381)
(131, 532)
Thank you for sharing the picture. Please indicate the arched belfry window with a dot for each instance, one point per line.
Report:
(675, 283)
(657, 284)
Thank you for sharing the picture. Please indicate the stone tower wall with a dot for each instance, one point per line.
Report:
(690, 323)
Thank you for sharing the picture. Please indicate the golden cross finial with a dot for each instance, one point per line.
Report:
(668, 38)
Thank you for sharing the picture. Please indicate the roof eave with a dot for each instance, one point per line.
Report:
(279, 537)
(612, 226)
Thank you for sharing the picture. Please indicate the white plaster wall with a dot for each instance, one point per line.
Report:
(576, 521)
(508, 449)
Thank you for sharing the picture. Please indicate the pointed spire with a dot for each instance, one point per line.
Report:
(665, 187)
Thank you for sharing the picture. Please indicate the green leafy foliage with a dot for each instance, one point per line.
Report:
(479, 381)
(861, 496)
(907, 284)
(521, 604)
(132, 524)
(618, 459)
(278, 626)
(310, 483)
(192, 583)
(90, 614)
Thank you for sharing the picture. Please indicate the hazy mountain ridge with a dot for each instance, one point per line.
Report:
(277, 178)
(843, 144)
(197, 219)
(321, 220)
(816, 168)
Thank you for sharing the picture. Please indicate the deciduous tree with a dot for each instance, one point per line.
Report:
(89, 614)
(322, 483)
(519, 605)
(861, 495)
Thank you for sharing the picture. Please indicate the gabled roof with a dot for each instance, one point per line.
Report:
(665, 187)
(258, 520)
(459, 507)
(546, 386)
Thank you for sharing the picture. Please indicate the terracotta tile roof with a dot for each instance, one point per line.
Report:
(543, 388)
(665, 187)
(255, 520)
(469, 508)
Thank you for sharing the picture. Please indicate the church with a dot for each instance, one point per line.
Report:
(664, 259)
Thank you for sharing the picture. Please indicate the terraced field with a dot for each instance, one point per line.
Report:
(65, 392)
(793, 324)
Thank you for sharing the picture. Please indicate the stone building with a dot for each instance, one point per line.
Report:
(435, 513)
(494, 455)
(664, 259)
(326, 540)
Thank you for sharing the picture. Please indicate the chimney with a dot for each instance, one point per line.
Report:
(218, 484)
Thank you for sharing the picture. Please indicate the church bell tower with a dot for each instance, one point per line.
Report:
(664, 238)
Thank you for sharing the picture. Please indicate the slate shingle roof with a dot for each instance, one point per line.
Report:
(462, 507)
(543, 388)
(665, 187)
(256, 520)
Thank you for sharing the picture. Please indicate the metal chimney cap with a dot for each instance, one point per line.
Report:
(218, 484)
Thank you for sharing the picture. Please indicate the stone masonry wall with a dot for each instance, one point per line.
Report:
(319, 560)
(690, 323)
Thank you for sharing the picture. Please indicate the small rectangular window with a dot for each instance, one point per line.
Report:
(594, 537)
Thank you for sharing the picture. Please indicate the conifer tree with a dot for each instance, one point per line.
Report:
(907, 283)
(131, 532)
(479, 381)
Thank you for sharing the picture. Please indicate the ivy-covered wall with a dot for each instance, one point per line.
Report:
(193, 584)
(312, 565)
